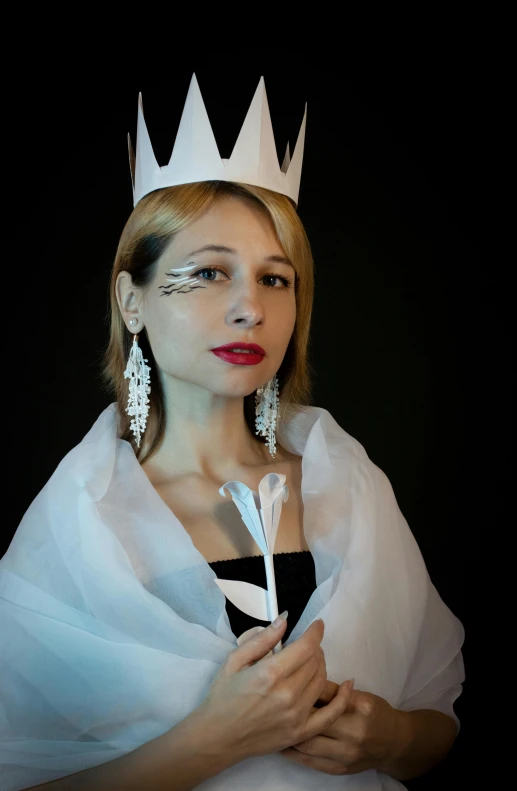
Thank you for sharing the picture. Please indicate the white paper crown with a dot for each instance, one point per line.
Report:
(195, 156)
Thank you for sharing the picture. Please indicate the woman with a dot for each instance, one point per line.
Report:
(121, 665)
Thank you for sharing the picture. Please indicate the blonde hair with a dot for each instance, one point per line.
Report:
(151, 226)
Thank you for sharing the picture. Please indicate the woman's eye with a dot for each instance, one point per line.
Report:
(210, 272)
(281, 282)
(279, 279)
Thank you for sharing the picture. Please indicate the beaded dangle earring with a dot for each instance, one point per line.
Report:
(139, 377)
(266, 408)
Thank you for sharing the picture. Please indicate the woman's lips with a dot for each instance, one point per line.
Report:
(242, 358)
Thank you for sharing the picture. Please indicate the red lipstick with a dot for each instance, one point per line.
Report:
(254, 356)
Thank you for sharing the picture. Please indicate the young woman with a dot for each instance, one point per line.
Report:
(120, 662)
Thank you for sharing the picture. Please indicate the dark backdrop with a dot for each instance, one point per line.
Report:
(409, 325)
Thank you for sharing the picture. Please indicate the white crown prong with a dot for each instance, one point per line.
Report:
(195, 156)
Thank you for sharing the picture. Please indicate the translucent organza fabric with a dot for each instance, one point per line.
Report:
(112, 628)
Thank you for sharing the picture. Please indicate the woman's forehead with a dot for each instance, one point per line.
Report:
(229, 227)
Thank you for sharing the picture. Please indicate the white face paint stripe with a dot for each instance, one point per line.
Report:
(186, 279)
(187, 268)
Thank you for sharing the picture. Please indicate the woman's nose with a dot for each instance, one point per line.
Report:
(246, 309)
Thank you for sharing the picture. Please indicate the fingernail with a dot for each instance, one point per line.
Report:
(280, 620)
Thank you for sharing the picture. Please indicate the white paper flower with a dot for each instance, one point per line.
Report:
(261, 515)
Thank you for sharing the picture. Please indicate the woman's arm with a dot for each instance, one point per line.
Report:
(425, 738)
(179, 760)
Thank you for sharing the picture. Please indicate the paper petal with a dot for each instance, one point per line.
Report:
(260, 512)
(273, 493)
(248, 504)
(270, 488)
(251, 599)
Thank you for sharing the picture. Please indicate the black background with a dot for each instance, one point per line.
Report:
(410, 322)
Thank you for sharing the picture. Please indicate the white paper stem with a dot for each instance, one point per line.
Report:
(272, 602)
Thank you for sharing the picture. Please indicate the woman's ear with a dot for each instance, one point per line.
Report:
(129, 298)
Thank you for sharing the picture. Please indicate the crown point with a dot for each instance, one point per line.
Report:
(254, 158)
(146, 166)
(195, 150)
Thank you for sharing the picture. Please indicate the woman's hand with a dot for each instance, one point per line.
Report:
(366, 736)
(258, 707)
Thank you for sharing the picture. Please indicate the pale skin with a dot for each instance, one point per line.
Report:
(206, 433)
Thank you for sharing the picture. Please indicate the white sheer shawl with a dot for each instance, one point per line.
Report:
(112, 628)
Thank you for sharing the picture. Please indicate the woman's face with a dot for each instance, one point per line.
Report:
(241, 290)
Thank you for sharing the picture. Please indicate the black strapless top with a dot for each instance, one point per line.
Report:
(295, 577)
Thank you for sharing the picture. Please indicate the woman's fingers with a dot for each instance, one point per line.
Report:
(327, 694)
(324, 717)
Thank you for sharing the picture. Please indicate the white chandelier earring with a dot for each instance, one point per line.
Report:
(139, 377)
(266, 409)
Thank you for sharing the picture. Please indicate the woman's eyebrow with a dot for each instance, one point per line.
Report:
(220, 248)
